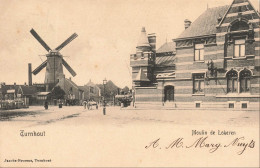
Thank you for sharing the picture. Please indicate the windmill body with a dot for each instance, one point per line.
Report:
(54, 62)
(54, 68)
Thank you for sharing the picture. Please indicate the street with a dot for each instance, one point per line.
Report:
(74, 136)
(77, 115)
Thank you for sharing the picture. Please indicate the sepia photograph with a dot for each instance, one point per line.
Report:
(129, 83)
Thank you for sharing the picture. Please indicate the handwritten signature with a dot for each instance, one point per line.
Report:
(202, 142)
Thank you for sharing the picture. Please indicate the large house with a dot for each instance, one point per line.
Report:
(214, 63)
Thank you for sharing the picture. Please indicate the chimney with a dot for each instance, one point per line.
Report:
(30, 74)
(187, 23)
(219, 19)
(152, 41)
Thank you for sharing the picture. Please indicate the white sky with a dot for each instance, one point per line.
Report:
(108, 33)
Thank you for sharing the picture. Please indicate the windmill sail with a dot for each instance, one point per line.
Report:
(73, 73)
(39, 68)
(40, 40)
(72, 37)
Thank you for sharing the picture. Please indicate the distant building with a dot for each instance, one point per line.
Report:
(13, 92)
(37, 94)
(214, 63)
(72, 90)
(91, 91)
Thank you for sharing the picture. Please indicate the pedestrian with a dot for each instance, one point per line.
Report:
(85, 104)
(46, 105)
(60, 103)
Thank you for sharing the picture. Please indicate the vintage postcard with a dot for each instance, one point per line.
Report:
(129, 83)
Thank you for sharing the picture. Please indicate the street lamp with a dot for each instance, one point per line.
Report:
(104, 103)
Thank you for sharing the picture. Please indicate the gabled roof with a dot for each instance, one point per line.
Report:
(206, 23)
(248, 5)
(167, 47)
(141, 76)
(72, 83)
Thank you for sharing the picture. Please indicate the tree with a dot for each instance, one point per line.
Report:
(111, 90)
(57, 93)
(125, 90)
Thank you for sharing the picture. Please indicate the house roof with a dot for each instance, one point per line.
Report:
(165, 61)
(28, 90)
(72, 83)
(206, 23)
(167, 47)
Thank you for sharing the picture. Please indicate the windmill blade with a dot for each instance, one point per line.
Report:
(73, 73)
(72, 37)
(40, 40)
(39, 68)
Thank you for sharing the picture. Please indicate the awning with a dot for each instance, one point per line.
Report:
(43, 93)
(11, 91)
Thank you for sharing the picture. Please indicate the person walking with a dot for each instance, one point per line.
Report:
(46, 105)
(60, 103)
(85, 104)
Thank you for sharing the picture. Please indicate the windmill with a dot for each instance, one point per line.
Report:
(54, 62)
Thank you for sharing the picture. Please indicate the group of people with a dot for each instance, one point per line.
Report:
(46, 104)
(86, 104)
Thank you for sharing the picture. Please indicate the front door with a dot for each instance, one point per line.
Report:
(169, 93)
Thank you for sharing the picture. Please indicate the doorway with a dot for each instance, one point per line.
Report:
(168, 93)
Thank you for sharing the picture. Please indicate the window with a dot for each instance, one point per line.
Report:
(199, 52)
(231, 105)
(197, 105)
(239, 48)
(244, 105)
(198, 83)
(239, 25)
(232, 81)
(245, 76)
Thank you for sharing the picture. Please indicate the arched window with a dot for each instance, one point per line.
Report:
(232, 81)
(240, 25)
(245, 76)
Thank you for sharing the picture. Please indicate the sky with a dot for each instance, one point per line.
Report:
(108, 31)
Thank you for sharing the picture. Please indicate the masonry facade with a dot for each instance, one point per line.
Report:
(215, 63)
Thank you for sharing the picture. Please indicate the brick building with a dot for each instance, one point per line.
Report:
(214, 63)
